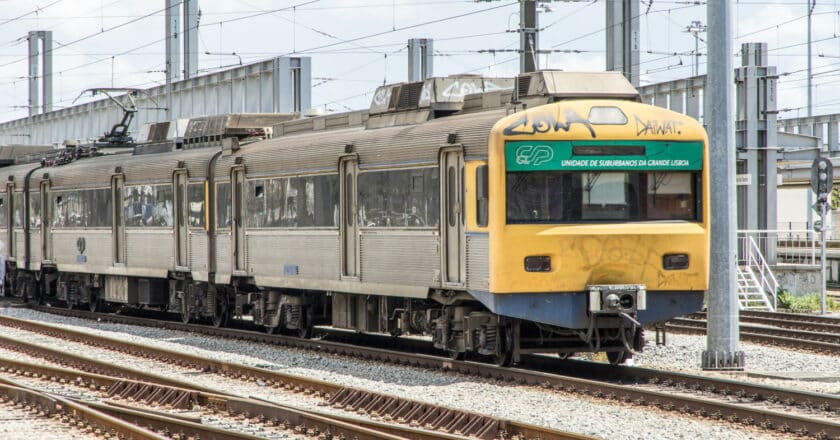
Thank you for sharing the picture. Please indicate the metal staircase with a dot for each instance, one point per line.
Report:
(757, 285)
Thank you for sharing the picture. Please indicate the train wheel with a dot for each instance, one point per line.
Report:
(186, 311)
(504, 346)
(271, 330)
(305, 330)
(93, 305)
(618, 357)
(222, 312)
(562, 355)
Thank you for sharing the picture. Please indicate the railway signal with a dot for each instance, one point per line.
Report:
(822, 180)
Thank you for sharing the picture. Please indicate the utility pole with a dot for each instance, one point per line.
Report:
(528, 36)
(695, 28)
(722, 347)
(811, 4)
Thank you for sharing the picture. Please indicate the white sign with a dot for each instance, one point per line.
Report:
(743, 179)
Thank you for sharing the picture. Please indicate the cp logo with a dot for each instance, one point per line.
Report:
(534, 155)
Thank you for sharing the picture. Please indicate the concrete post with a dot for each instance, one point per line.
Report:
(622, 26)
(173, 58)
(34, 70)
(420, 59)
(722, 348)
(190, 38)
(47, 77)
(528, 36)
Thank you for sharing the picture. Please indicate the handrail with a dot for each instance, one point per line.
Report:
(768, 281)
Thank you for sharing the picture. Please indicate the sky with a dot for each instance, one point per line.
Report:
(357, 45)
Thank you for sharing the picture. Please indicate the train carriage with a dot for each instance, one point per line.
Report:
(561, 216)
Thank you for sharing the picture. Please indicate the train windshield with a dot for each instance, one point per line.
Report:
(575, 182)
(570, 197)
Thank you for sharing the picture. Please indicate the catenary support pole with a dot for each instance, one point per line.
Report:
(722, 348)
(528, 36)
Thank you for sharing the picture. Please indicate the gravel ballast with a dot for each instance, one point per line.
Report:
(526, 404)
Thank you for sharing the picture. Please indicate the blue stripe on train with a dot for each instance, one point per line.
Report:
(570, 309)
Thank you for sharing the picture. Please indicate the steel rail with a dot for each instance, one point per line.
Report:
(453, 421)
(796, 339)
(815, 323)
(603, 388)
(266, 412)
(70, 412)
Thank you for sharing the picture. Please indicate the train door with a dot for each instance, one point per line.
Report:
(238, 199)
(452, 219)
(181, 234)
(46, 219)
(349, 222)
(118, 226)
(10, 238)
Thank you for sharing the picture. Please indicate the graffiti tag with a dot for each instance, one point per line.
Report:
(547, 121)
(655, 127)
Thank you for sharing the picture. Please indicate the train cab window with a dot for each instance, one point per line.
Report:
(452, 196)
(481, 196)
(195, 201)
(400, 198)
(348, 199)
(223, 206)
(3, 222)
(34, 210)
(614, 196)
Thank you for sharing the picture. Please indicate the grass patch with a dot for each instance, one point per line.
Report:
(805, 303)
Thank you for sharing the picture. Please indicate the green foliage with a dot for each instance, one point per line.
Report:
(835, 197)
(804, 303)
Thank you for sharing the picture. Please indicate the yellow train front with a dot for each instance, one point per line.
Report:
(598, 223)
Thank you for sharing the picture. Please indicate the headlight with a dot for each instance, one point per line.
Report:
(538, 264)
(675, 261)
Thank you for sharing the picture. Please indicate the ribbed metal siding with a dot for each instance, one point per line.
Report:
(478, 262)
(150, 250)
(97, 248)
(223, 253)
(198, 251)
(401, 258)
(35, 246)
(315, 256)
(4, 233)
(20, 245)
(152, 167)
(404, 144)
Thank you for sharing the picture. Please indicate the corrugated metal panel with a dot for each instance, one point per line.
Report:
(18, 174)
(414, 144)
(198, 251)
(157, 167)
(279, 253)
(223, 253)
(150, 249)
(98, 250)
(478, 262)
(401, 258)
(19, 246)
(35, 246)
(263, 87)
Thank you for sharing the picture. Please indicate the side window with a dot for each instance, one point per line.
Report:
(34, 209)
(18, 209)
(90, 208)
(195, 201)
(223, 206)
(399, 198)
(148, 205)
(256, 209)
(482, 196)
(3, 208)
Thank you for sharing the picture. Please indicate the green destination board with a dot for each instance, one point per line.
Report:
(603, 155)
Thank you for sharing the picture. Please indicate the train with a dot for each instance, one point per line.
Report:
(553, 212)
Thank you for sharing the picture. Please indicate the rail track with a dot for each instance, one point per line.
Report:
(126, 412)
(801, 332)
(772, 408)
(439, 422)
